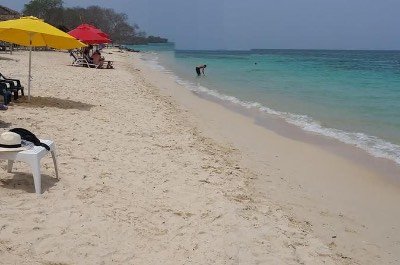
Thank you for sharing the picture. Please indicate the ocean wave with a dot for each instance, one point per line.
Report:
(152, 62)
(373, 145)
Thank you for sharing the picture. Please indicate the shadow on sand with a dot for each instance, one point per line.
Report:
(40, 102)
(24, 182)
(5, 124)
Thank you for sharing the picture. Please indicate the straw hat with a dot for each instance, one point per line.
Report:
(11, 142)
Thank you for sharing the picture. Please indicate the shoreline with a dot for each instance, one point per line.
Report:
(361, 179)
(385, 167)
(377, 146)
(150, 172)
(381, 165)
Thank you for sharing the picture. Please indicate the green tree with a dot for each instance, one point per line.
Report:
(72, 17)
(49, 10)
(106, 19)
(115, 24)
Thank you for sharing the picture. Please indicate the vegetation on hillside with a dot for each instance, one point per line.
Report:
(113, 23)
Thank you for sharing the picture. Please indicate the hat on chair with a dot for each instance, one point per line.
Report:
(11, 142)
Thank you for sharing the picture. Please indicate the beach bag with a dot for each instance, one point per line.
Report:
(30, 137)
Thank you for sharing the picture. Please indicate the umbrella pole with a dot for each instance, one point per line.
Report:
(30, 65)
(29, 76)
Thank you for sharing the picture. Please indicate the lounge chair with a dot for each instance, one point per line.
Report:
(82, 61)
(4, 91)
(109, 64)
(90, 61)
(103, 64)
(10, 87)
(15, 85)
(100, 61)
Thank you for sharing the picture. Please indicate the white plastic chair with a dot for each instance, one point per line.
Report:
(32, 157)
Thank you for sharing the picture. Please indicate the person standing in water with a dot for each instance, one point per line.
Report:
(200, 69)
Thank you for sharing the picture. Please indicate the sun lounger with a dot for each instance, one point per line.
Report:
(86, 61)
(90, 62)
(105, 65)
(81, 61)
(4, 91)
(109, 64)
(15, 85)
(10, 86)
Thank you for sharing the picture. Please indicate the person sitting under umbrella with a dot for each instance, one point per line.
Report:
(98, 59)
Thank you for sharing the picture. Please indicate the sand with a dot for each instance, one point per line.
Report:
(150, 175)
(347, 198)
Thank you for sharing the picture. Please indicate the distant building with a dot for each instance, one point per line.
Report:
(6, 13)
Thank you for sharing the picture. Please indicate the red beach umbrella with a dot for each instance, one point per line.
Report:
(89, 34)
(98, 31)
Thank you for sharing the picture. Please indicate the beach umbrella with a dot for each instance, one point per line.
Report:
(33, 32)
(98, 31)
(89, 34)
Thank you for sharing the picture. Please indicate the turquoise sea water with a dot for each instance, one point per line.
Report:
(353, 96)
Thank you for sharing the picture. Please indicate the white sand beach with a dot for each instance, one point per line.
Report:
(153, 174)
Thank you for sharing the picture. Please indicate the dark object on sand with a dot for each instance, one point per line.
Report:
(29, 136)
(15, 85)
(4, 91)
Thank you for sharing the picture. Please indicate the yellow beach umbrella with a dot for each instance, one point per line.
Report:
(33, 32)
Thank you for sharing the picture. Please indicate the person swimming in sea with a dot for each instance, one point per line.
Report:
(200, 69)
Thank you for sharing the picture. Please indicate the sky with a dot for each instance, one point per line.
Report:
(269, 24)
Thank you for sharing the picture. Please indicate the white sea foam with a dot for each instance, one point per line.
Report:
(373, 145)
